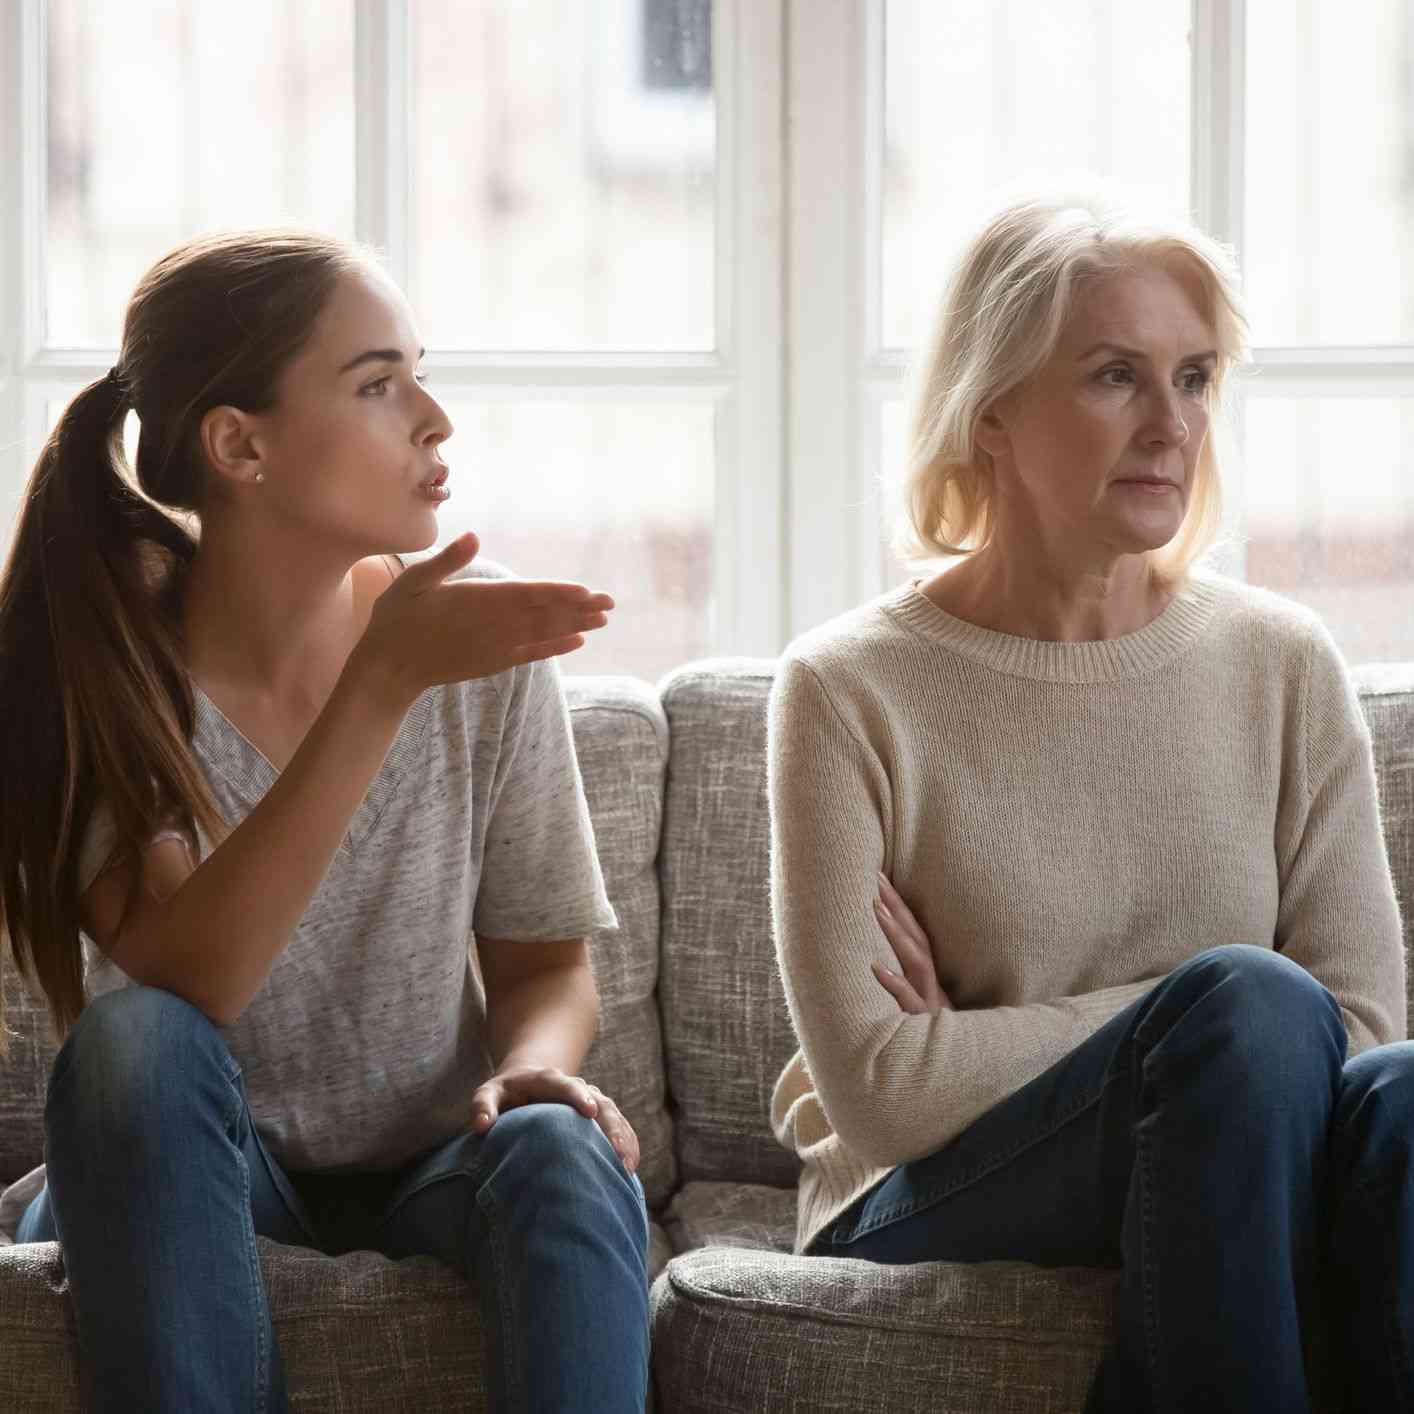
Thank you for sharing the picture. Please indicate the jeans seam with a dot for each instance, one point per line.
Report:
(263, 1318)
(507, 1322)
(921, 1202)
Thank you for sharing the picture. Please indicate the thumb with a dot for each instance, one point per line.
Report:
(448, 560)
(484, 1107)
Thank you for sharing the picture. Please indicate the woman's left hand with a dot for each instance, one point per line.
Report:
(915, 987)
(528, 1085)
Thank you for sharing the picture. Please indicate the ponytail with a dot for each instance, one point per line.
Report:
(95, 702)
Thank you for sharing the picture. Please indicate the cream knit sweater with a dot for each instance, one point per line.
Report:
(1068, 821)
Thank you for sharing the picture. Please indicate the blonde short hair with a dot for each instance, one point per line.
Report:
(999, 321)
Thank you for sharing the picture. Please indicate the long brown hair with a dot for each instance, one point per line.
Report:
(95, 703)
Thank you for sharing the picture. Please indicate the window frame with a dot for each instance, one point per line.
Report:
(838, 374)
(798, 380)
(741, 377)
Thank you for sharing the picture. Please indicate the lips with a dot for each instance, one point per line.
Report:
(437, 478)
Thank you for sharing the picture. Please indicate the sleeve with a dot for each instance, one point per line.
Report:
(100, 843)
(540, 875)
(1338, 916)
(893, 1086)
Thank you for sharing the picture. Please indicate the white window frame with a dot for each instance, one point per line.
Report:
(838, 375)
(798, 380)
(741, 378)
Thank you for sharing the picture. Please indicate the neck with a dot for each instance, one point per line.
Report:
(276, 619)
(1059, 604)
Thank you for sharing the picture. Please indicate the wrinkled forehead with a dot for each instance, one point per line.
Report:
(1161, 310)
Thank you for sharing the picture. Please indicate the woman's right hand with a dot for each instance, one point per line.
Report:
(424, 632)
(916, 988)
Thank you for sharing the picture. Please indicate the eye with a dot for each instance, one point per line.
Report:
(375, 388)
(421, 379)
(1117, 375)
(1196, 379)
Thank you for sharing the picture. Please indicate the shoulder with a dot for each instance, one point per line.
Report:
(854, 644)
(1265, 630)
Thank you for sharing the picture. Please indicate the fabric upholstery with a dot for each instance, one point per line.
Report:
(725, 1022)
(751, 1215)
(621, 739)
(24, 1076)
(1387, 697)
(776, 1334)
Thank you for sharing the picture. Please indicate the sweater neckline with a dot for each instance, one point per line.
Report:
(1100, 660)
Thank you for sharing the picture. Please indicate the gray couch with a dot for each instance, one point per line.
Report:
(695, 1031)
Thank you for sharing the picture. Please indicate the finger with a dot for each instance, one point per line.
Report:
(899, 988)
(896, 905)
(450, 558)
(915, 960)
(551, 648)
(617, 1130)
(485, 1106)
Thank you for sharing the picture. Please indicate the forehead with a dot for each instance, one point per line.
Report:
(366, 310)
(1154, 310)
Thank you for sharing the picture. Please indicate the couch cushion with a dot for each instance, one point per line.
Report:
(1387, 696)
(357, 1333)
(621, 739)
(776, 1334)
(24, 1076)
(731, 1215)
(727, 1030)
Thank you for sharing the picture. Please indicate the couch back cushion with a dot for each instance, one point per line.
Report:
(1387, 696)
(724, 1013)
(621, 737)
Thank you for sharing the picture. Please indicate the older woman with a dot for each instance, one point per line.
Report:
(1131, 808)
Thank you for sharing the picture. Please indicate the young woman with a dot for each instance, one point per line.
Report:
(1131, 808)
(265, 790)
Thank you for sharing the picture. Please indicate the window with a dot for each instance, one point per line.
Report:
(671, 256)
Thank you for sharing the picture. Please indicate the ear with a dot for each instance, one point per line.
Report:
(991, 433)
(229, 443)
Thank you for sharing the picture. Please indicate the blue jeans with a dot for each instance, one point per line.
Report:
(158, 1185)
(1212, 1142)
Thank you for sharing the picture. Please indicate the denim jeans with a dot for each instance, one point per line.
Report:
(158, 1185)
(1212, 1142)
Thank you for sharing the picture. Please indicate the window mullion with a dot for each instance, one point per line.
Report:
(381, 140)
(1217, 152)
(825, 305)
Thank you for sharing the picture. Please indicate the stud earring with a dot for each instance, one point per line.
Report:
(260, 476)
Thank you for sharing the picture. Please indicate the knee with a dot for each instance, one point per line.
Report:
(552, 1148)
(1376, 1104)
(132, 1049)
(1261, 1012)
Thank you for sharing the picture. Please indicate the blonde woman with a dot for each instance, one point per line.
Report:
(1081, 901)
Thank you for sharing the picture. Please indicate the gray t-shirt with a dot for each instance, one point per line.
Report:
(366, 1042)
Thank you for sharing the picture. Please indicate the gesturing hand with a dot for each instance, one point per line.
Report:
(528, 1085)
(916, 988)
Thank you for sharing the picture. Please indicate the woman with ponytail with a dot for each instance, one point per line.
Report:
(263, 782)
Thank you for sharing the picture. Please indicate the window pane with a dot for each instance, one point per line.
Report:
(893, 436)
(1329, 255)
(170, 117)
(618, 496)
(563, 174)
(982, 92)
(1330, 514)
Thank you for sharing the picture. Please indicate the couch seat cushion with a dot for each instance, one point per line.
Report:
(738, 1330)
(704, 1214)
(360, 1334)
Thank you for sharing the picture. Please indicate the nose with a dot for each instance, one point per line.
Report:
(436, 426)
(1166, 426)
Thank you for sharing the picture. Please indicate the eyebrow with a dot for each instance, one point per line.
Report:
(377, 356)
(1140, 354)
